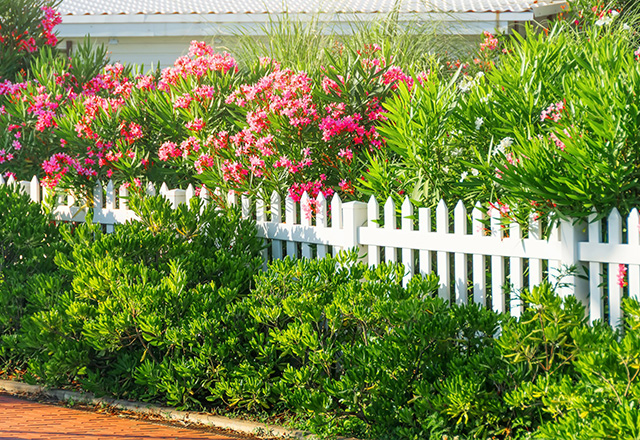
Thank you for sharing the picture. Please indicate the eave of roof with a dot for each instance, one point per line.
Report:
(222, 7)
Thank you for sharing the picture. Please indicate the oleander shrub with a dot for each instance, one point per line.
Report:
(27, 27)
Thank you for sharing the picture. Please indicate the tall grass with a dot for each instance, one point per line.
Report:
(307, 44)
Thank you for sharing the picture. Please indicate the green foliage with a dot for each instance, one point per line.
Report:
(21, 35)
(355, 352)
(28, 242)
(144, 298)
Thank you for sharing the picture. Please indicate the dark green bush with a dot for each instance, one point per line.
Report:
(353, 351)
(28, 243)
(146, 296)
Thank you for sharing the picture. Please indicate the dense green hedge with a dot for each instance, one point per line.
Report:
(174, 309)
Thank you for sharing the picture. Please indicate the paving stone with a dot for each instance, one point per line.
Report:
(26, 420)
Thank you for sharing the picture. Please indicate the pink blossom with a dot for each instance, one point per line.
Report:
(195, 125)
(622, 275)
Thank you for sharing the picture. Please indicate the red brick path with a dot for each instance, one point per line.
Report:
(26, 420)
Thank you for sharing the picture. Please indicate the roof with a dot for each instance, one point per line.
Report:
(185, 7)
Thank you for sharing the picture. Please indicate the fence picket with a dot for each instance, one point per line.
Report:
(555, 267)
(276, 217)
(407, 225)
(336, 218)
(424, 226)
(305, 220)
(291, 218)
(97, 199)
(460, 259)
(110, 204)
(245, 206)
(150, 189)
(615, 290)
(123, 194)
(497, 266)
(321, 221)
(390, 225)
(442, 257)
(261, 218)
(515, 273)
(189, 194)
(479, 275)
(633, 230)
(373, 216)
(34, 191)
(595, 273)
(535, 264)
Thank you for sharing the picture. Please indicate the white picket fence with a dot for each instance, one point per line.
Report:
(477, 260)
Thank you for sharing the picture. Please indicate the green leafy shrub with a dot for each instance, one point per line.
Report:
(353, 351)
(148, 291)
(28, 243)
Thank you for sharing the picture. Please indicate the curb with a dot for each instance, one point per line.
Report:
(243, 426)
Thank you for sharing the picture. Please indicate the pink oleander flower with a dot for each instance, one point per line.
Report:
(182, 101)
(553, 112)
(329, 86)
(233, 171)
(204, 161)
(195, 125)
(145, 82)
(622, 275)
(168, 150)
(490, 42)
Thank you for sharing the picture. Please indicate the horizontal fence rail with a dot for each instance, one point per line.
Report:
(481, 260)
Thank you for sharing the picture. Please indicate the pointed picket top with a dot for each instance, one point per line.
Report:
(389, 214)
(34, 190)
(407, 214)
(110, 202)
(373, 213)
(276, 207)
(633, 226)
(615, 226)
(217, 192)
(442, 217)
(189, 194)
(321, 210)
(11, 180)
(594, 227)
(150, 190)
(260, 216)
(164, 189)
(245, 202)
(305, 210)
(123, 193)
(336, 212)
(290, 214)
(2, 181)
(477, 217)
(232, 198)
(97, 197)
(460, 218)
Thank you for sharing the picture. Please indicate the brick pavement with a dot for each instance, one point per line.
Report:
(26, 420)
